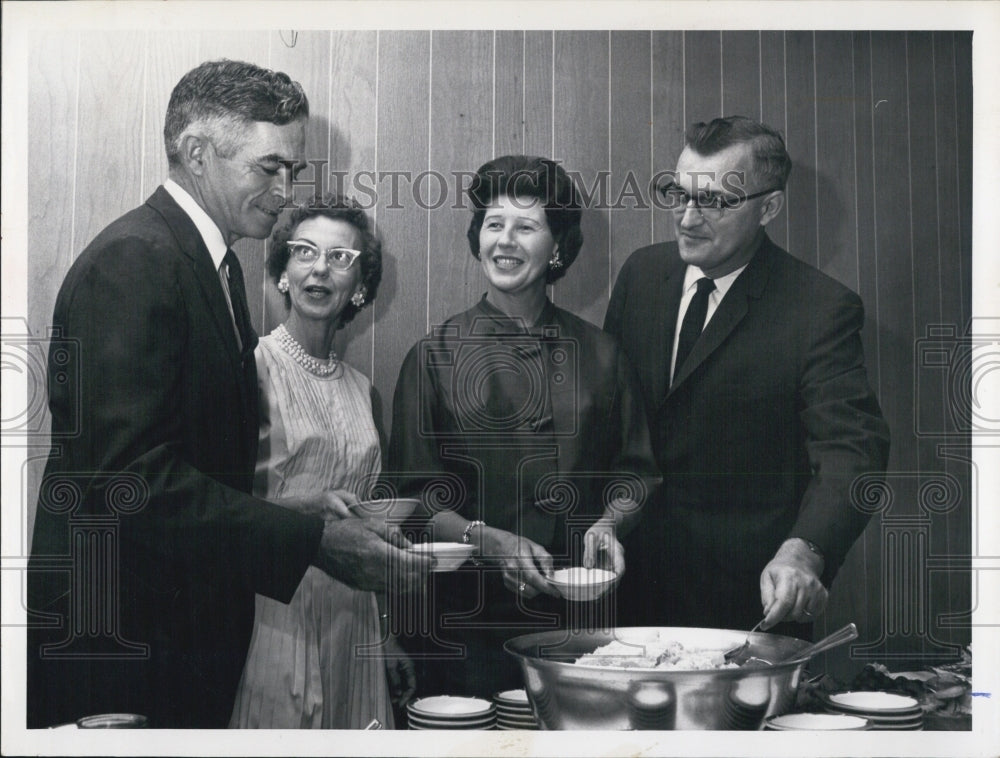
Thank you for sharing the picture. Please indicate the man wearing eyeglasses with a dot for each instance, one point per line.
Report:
(761, 413)
(148, 548)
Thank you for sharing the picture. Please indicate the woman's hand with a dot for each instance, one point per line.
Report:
(328, 504)
(525, 563)
(601, 549)
(400, 672)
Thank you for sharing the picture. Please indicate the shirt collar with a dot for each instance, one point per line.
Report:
(508, 325)
(209, 232)
(722, 284)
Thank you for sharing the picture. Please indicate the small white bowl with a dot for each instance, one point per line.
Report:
(582, 584)
(448, 556)
(395, 508)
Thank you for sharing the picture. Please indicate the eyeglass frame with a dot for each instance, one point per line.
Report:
(328, 253)
(725, 204)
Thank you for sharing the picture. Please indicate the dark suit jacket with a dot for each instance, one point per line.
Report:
(767, 426)
(145, 496)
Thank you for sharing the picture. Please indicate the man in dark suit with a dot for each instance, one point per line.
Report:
(761, 413)
(148, 548)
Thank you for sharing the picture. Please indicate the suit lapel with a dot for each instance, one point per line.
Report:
(193, 246)
(663, 323)
(748, 286)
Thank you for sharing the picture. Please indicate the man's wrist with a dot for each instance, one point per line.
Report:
(804, 551)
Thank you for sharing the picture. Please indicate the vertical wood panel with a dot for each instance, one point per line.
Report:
(348, 139)
(858, 589)
(630, 214)
(702, 76)
(801, 143)
(836, 213)
(538, 96)
(167, 57)
(109, 150)
(864, 203)
(948, 233)
(928, 280)
(461, 141)
(253, 47)
(963, 119)
(774, 109)
(741, 74)
(508, 92)
(401, 310)
(667, 92)
(581, 143)
(952, 270)
(52, 130)
(893, 238)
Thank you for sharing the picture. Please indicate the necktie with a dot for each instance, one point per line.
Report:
(238, 299)
(694, 322)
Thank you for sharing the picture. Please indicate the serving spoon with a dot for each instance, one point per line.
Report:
(738, 654)
(835, 639)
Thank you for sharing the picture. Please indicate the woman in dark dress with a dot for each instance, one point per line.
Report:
(519, 426)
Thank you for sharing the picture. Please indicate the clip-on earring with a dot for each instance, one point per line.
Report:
(555, 262)
(358, 299)
(283, 284)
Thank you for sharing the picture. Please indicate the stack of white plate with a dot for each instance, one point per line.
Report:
(885, 710)
(815, 722)
(514, 710)
(447, 712)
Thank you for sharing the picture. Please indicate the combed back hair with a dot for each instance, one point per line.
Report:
(223, 98)
(770, 160)
(337, 208)
(530, 177)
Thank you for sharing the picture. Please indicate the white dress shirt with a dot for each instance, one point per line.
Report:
(211, 236)
(691, 277)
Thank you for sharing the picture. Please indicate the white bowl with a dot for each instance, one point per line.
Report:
(582, 584)
(448, 556)
(817, 722)
(395, 508)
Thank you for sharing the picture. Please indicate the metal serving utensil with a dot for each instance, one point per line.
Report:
(739, 654)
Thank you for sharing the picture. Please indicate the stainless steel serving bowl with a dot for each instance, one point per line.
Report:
(569, 696)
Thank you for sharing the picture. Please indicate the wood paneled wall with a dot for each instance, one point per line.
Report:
(877, 123)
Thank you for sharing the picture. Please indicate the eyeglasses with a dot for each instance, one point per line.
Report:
(710, 205)
(340, 258)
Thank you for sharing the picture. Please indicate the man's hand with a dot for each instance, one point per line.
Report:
(356, 552)
(790, 588)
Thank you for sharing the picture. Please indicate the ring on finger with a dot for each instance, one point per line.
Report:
(522, 587)
(808, 613)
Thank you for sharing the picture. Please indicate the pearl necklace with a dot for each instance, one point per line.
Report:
(300, 356)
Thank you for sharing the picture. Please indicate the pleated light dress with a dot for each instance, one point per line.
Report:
(313, 664)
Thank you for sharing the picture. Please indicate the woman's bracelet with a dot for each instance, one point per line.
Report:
(467, 537)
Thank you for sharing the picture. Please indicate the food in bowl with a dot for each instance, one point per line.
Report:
(664, 654)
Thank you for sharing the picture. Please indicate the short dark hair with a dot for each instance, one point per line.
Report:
(530, 176)
(338, 208)
(224, 97)
(771, 162)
